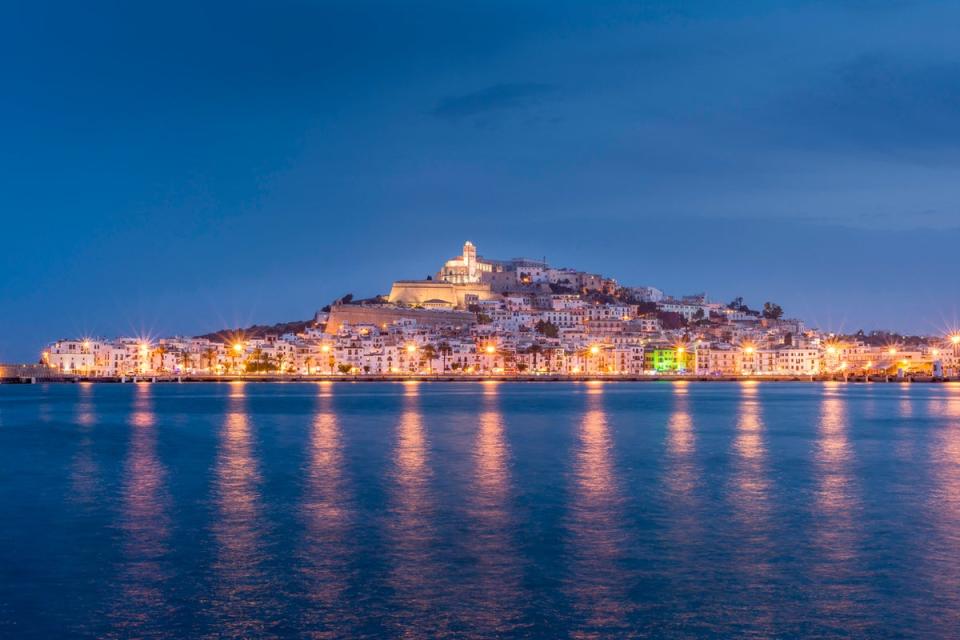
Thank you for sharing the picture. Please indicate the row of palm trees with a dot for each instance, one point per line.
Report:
(258, 361)
(429, 353)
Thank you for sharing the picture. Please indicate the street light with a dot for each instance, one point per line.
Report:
(237, 350)
(594, 350)
(491, 349)
(955, 338)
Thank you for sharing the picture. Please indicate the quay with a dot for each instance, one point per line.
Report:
(57, 377)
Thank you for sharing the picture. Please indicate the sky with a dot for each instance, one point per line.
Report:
(181, 167)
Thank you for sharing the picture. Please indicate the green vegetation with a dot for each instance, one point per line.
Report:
(772, 311)
(548, 329)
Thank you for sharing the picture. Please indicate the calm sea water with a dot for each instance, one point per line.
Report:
(479, 510)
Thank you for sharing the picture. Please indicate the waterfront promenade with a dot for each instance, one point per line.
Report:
(56, 377)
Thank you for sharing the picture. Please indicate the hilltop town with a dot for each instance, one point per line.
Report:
(485, 317)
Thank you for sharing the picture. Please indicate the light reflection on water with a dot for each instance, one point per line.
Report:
(836, 518)
(327, 517)
(242, 600)
(491, 600)
(597, 580)
(85, 485)
(498, 510)
(144, 573)
(943, 547)
(755, 550)
(414, 572)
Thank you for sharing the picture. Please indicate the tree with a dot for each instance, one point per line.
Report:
(698, 315)
(210, 355)
(671, 320)
(483, 318)
(521, 367)
(547, 328)
(534, 350)
(344, 368)
(429, 353)
(186, 361)
(159, 352)
(772, 311)
(445, 350)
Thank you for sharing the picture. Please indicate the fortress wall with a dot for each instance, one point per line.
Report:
(360, 314)
(420, 291)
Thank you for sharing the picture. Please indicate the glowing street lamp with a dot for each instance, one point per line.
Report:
(892, 351)
(748, 350)
(594, 350)
(144, 350)
(237, 350)
(411, 348)
(955, 338)
(490, 349)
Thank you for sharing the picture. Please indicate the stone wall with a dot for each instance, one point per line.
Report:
(380, 315)
(419, 291)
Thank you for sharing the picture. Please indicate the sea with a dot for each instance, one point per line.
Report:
(480, 510)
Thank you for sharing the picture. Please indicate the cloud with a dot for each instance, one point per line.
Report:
(499, 97)
(878, 103)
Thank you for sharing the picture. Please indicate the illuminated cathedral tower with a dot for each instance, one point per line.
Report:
(465, 269)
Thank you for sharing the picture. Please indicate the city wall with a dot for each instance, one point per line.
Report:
(375, 315)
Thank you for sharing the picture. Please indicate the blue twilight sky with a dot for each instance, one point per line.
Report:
(178, 167)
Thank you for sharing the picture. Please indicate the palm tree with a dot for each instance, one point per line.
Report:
(210, 355)
(534, 350)
(309, 360)
(256, 359)
(445, 350)
(186, 361)
(429, 353)
(266, 362)
(159, 352)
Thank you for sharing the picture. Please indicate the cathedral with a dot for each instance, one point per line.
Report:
(466, 268)
(462, 281)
